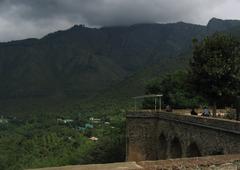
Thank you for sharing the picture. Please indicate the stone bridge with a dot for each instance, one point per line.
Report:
(157, 136)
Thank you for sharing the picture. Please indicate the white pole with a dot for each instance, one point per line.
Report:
(160, 103)
(155, 103)
(135, 104)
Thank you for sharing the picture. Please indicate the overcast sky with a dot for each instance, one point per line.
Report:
(34, 18)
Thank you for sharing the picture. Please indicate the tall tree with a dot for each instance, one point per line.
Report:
(175, 91)
(214, 68)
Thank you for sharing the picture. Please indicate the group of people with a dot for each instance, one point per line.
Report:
(206, 112)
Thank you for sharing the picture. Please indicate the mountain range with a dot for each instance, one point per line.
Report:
(83, 62)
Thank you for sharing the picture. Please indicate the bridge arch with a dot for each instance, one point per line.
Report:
(175, 148)
(193, 150)
(217, 151)
(162, 150)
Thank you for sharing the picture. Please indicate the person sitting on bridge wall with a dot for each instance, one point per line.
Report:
(206, 112)
(193, 112)
(168, 108)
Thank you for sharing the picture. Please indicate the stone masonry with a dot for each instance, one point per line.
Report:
(223, 162)
(159, 136)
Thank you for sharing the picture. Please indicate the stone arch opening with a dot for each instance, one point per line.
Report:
(193, 150)
(217, 151)
(176, 148)
(162, 150)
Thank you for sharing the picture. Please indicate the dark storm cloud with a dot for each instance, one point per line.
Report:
(34, 18)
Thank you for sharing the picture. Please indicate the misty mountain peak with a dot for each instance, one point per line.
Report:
(216, 24)
(215, 20)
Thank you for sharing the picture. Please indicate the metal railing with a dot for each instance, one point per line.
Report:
(155, 96)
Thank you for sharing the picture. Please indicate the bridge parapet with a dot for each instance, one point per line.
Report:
(231, 126)
(161, 135)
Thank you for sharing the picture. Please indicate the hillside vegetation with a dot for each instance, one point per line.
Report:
(84, 74)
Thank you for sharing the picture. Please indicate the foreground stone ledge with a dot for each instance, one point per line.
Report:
(113, 166)
(223, 162)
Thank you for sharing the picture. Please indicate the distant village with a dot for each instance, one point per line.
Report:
(4, 119)
(84, 127)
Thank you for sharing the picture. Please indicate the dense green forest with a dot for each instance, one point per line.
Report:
(44, 141)
(58, 92)
(212, 77)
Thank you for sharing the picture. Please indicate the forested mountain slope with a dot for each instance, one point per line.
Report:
(82, 61)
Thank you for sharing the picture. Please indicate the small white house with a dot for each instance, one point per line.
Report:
(65, 121)
(107, 123)
(95, 120)
(94, 138)
(3, 120)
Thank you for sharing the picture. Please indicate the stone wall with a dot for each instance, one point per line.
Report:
(224, 162)
(112, 166)
(156, 136)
